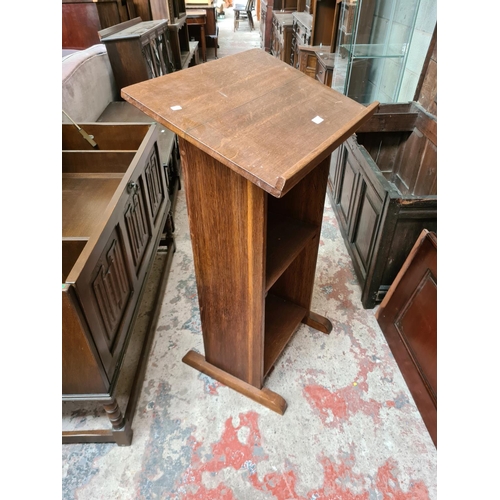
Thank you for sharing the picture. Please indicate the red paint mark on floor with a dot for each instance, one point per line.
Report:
(340, 482)
(337, 406)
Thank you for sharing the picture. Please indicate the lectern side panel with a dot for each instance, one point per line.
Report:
(304, 202)
(227, 220)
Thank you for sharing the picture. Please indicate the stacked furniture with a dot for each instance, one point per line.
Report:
(314, 30)
(266, 17)
(298, 30)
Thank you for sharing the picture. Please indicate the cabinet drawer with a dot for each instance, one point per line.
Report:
(307, 63)
(321, 73)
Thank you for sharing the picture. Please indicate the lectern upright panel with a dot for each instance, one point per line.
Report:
(255, 205)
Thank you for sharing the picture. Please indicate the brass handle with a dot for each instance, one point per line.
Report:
(132, 187)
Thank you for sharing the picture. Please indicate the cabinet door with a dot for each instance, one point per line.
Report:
(308, 63)
(365, 223)
(358, 207)
(111, 289)
(345, 181)
(137, 224)
(155, 184)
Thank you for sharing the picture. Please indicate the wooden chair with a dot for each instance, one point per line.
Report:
(243, 12)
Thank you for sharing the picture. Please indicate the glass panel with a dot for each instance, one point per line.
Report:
(374, 38)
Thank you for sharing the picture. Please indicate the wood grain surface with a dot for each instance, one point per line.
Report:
(232, 107)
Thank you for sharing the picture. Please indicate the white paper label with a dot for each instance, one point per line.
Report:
(175, 108)
(317, 119)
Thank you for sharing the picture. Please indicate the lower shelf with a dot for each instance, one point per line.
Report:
(282, 319)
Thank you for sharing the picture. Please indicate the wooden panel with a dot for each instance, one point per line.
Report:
(261, 97)
(426, 91)
(155, 186)
(96, 161)
(366, 227)
(227, 222)
(299, 291)
(111, 288)
(286, 238)
(406, 228)
(80, 24)
(347, 185)
(143, 9)
(408, 319)
(109, 13)
(383, 147)
(81, 372)
(137, 227)
(71, 250)
(282, 320)
(426, 182)
(409, 161)
(159, 9)
(108, 136)
(84, 202)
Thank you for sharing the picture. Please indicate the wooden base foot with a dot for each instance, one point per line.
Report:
(264, 396)
(318, 322)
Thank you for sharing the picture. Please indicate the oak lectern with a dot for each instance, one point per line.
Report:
(255, 138)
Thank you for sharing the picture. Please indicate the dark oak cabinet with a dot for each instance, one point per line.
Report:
(314, 29)
(115, 203)
(266, 17)
(138, 50)
(281, 39)
(382, 188)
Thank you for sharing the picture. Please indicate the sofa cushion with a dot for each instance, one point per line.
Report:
(88, 84)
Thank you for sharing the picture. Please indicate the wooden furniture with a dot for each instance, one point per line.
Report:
(243, 11)
(138, 50)
(408, 319)
(114, 208)
(82, 19)
(281, 39)
(255, 206)
(383, 191)
(181, 48)
(324, 67)
(198, 17)
(313, 31)
(172, 10)
(266, 17)
(168, 148)
(211, 28)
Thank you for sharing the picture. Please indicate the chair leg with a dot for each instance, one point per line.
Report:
(250, 20)
(236, 20)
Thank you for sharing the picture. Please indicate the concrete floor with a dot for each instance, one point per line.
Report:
(351, 430)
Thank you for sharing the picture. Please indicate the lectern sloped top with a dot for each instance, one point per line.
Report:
(255, 114)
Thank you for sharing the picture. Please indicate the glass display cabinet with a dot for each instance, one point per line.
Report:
(373, 40)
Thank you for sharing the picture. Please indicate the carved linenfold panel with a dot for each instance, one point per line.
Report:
(146, 52)
(111, 289)
(137, 228)
(156, 191)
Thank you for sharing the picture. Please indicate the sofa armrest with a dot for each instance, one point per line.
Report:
(88, 84)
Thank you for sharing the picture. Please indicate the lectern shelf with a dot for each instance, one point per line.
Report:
(251, 126)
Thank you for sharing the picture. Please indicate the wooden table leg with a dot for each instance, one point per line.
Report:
(203, 43)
